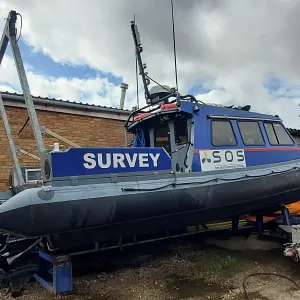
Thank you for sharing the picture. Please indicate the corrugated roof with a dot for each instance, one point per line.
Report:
(67, 103)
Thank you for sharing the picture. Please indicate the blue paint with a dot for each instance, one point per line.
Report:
(269, 157)
(93, 161)
(59, 281)
(202, 136)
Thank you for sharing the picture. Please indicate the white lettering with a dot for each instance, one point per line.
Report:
(131, 161)
(143, 160)
(154, 158)
(90, 161)
(118, 158)
(101, 163)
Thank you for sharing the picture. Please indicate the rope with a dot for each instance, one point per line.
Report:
(174, 184)
(139, 140)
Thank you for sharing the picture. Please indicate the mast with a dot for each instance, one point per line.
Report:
(142, 67)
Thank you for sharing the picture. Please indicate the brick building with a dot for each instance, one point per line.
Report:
(83, 124)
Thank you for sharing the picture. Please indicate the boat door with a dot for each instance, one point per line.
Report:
(175, 136)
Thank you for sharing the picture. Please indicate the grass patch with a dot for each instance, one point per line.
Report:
(210, 267)
(213, 266)
(219, 263)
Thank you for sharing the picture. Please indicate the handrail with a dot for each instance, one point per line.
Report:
(141, 110)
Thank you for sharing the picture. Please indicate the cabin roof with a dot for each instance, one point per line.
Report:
(215, 110)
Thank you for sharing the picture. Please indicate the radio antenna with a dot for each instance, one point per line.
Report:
(174, 46)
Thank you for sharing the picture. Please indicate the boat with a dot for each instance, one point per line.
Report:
(190, 163)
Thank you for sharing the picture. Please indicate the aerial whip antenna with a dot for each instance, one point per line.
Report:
(174, 46)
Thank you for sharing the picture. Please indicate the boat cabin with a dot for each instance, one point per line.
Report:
(204, 137)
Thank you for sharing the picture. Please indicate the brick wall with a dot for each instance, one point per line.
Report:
(83, 130)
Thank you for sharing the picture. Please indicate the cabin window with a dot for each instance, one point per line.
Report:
(251, 133)
(162, 137)
(277, 134)
(180, 127)
(222, 133)
(282, 136)
(271, 134)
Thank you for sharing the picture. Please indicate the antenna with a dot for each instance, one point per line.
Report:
(150, 97)
(174, 46)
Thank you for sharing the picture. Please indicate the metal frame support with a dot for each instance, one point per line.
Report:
(235, 224)
(259, 223)
(285, 216)
(27, 153)
(43, 129)
(55, 273)
(9, 35)
(11, 143)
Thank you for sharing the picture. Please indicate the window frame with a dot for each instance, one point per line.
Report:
(271, 123)
(169, 136)
(232, 129)
(186, 131)
(278, 144)
(261, 132)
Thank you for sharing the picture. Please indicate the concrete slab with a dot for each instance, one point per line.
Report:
(252, 242)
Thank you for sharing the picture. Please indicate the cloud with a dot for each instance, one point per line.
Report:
(237, 44)
(97, 90)
(249, 91)
(7, 88)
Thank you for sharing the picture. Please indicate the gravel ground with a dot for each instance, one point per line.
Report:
(186, 269)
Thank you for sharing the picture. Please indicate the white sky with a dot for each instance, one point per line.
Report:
(234, 44)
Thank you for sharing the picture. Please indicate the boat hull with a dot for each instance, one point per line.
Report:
(111, 211)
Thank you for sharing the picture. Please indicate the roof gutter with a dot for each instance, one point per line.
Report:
(65, 104)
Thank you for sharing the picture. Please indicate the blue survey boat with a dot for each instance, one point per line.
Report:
(189, 163)
(192, 163)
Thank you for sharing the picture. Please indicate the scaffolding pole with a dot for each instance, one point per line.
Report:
(57, 136)
(9, 35)
(28, 153)
(11, 143)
